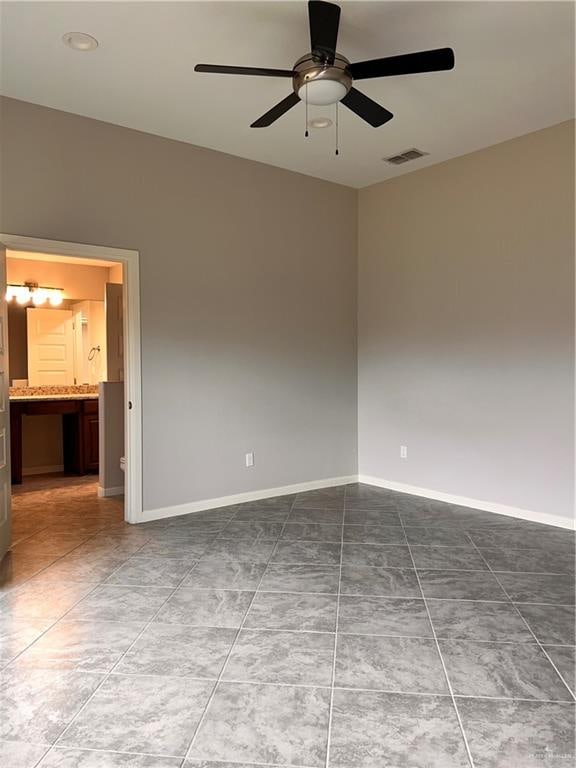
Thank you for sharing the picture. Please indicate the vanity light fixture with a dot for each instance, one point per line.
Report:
(35, 294)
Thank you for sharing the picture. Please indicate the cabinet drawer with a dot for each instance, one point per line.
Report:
(90, 406)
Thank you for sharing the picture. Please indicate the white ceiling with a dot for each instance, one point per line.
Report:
(514, 74)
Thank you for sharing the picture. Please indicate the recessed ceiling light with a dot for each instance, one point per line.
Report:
(320, 122)
(80, 41)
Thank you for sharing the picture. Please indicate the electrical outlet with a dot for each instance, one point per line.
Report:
(249, 459)
(403, 451)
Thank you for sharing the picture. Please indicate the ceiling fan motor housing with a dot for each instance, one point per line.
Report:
(321, 83)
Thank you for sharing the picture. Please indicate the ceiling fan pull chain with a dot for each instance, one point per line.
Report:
(306, 102)
(337, 136)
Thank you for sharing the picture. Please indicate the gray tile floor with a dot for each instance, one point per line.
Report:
(346, 628)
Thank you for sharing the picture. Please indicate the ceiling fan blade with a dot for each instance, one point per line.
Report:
(277, 111)
(405, 64)
(324, 21)
(225, 70)
(366, 108)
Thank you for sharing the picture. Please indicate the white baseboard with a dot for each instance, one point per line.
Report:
(464, 501)
(242, 498)
(42, 470)
(103, 492)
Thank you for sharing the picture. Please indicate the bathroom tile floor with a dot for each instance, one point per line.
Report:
(350, 627)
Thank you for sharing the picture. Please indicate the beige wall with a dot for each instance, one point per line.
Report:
(248, 292)
(78, 281)
(466, 294)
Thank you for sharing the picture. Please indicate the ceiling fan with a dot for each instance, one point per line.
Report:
(323, 76)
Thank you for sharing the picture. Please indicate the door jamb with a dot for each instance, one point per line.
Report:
(130, 261)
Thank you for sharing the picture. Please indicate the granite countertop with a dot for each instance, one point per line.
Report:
(78, 392)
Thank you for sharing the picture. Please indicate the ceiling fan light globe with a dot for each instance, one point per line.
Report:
(322, 92)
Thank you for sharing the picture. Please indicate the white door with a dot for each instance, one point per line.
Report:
(50, 347)
(114, 332)
(4, 415)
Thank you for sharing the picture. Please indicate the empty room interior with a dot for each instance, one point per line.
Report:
(287, 467)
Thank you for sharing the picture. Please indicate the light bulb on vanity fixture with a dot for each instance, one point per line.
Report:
(32, 293)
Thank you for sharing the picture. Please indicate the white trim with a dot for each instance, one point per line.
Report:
(464, 501)
(133, 369)
(242, 498)
(104, 492)
(26, 471)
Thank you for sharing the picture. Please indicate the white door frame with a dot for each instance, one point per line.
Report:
(130, 261)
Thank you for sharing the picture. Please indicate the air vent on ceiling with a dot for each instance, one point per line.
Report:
(405, 157)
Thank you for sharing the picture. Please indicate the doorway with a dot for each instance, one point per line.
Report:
(82, 363)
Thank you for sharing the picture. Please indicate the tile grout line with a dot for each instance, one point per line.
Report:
(335, 650)
(229, 654)
(448, 683)
(542, 648)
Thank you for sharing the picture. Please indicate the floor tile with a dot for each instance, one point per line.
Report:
(225, 575)
(547, 538)
(552, 624)
(166, 649)
(471, 620)
(401, 664)
(119, 603)
(218, 764)
(16, 634)
(528, 560)
(251, 530)
(448, 558)
(437, 537)
(518, 734)
(291, 658)
(282, 610)
(502, 670)
(374, 516)
(382, 555)
(464, 585)
(374, 534)
(311, 532)
(81, 569)
(39, 703)
(373, 730)
(18, 754)
(206, 607)
(151, 571)
(386, 582)
(312, 552)
(320, 516)
(229, 550)
(89, 646)
(175, 548)
(301, 578)
(265, 724)
(564, 657)
(155, 715)
(43, 600)
(77, 758)
(383, 616)
(538, 588)
(270, 515)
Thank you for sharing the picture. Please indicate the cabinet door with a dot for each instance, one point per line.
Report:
(90, 429)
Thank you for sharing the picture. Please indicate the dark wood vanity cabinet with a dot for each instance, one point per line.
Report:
(90, 435)
(79, 432)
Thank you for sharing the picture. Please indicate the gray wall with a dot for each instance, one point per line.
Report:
(248, 295)
(466, 295)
